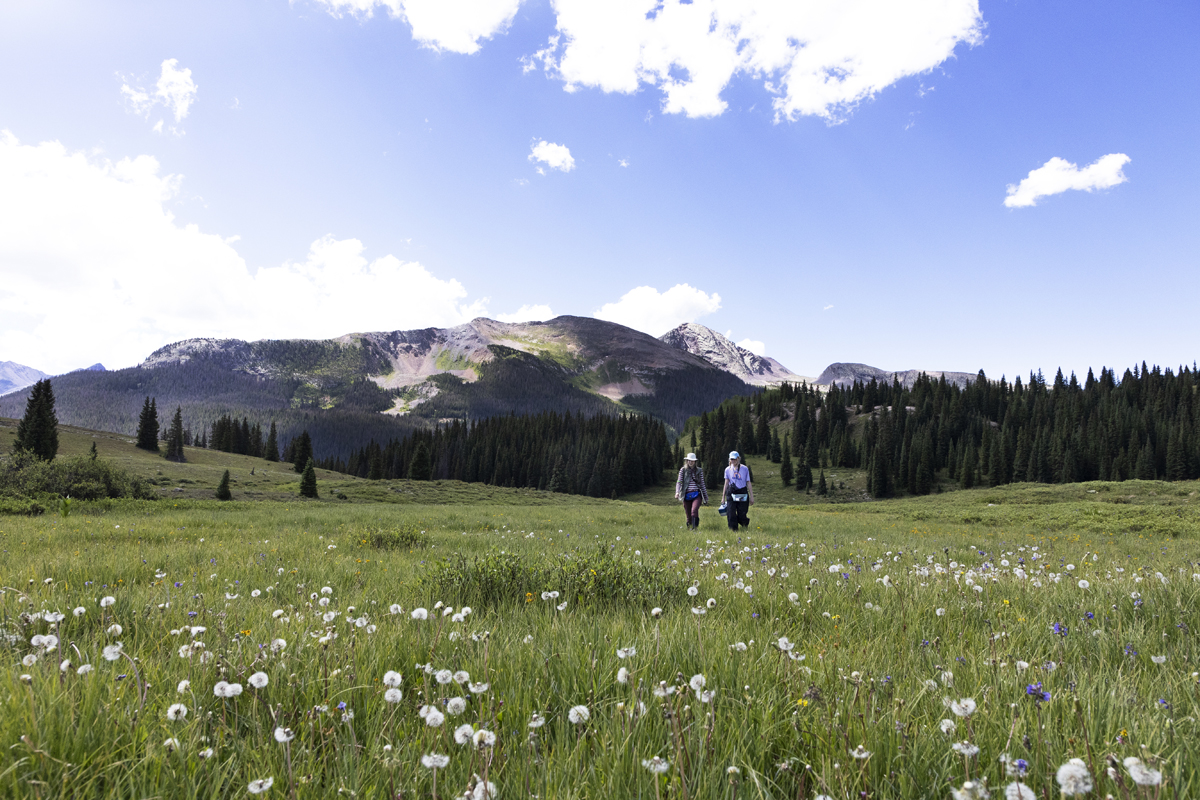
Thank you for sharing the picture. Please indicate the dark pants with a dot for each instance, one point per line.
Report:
(735, 513)
(691, 509)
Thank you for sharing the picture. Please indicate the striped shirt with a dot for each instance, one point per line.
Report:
(691, 482)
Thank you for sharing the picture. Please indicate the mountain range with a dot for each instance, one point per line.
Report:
(379, 385)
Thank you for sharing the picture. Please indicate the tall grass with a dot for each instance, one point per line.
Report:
(891, 616)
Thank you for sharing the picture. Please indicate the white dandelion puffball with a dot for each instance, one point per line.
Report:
(478, 688)
(84, 669)
(947, 726)
(206, 753)
(29, 660)
(626, 652)
(1073, 778)
(860, 752)
(463, 733)
(693, 591)
(434, 718)
(393, 696)
(483, 738)
(392, 679)
(579, 715)
(105, 602)
(395, 608)
(656, 765)
(79, 611)
(656, 612)
(712, 602)
(623, 676)
(284, 735)
(261, 785)
(462, 676)
(434, 761)
(965, 748)
(176, 712)
(1083, 584)
(113, 651)
(1159, 659)
(964, 707)
(697, 683)
(26, 678)
(536, 721)
(259, 679)
(456, 706)
(278, 645)
(1141, 774)
(171, 745)
(1018, 791)
(443, 676)
(256, 593)
(419, 614)
(941, 612)
(562, 606)
(784, 644)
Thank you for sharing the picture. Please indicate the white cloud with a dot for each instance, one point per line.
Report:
(622, 162)
(97, 269)
(527, 313)
(646, 309)
(454, 25)
(819, 57)
(175, 90)
(1059, 175)
(555, 156)
(756, 347)
(826, 308)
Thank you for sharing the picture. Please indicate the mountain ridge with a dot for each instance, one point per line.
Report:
(14, 376)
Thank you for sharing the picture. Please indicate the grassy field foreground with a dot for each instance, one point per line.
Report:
(882, 650)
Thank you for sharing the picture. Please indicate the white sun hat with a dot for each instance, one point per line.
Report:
(690, 457)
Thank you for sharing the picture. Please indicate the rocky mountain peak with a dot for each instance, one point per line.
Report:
(719, 351)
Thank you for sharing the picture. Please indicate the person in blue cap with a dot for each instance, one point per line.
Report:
(738, 492)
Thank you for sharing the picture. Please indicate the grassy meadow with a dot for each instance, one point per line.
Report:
(895, 649)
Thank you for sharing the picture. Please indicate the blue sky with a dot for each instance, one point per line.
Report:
(339, 165)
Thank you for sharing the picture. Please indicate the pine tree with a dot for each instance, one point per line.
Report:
(308, 480)
(93, 454)
(420, 468)
(37, 431)
(558, 478)
(271, 448)
(811, 448)
(147, 432)
(804, 478)
(785, 468)
(776, 453)
(762, 434)
(822, 487)
(175, 438)
(223, 492)
(302, 451)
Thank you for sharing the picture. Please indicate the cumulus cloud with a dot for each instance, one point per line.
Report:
(528, 313)
(754, 346)
(454, 25)
(555, 156)
(175, 90)
(1059, 175)
(646, 309)
(96, 268)
(819, 57)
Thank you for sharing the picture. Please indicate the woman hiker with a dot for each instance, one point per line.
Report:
(738, 492)
(691, 490)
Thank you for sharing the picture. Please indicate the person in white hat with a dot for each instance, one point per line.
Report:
(691, 490)
(738, 492)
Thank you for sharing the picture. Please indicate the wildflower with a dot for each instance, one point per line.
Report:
(483, 738)
(656, 765)
(419, 614)
(656, 612)
(964, 707)
(484, 790)
(536, 721)
(261, 785)
(478, 688)
(395, 608)
(941, 612)
(393, 696)
(65, 665)
(1158, 659)
(434, 718)
(697, 683)
(434, 761)
(29, 660)
(739, 646)
(463, 733)
(706, 696)
(226, 690)
(1073, 778)
(693, 591)
(277, 613)
(712, 602)
(171, 745)
(1021, 665)
(80, 611)
(860, 752)
(947, 726)
(784, 645)
(462, 676)
(278, 644)
(562, 606)
(971, 790)
(1018, 791)
(1083, 584)
(965, 748)
(1035, 691)
(392, 678)
(626, 652)
(622, 676)
(84, 669)
(1141, 774)
(1014, 767)
(456, 706)
(113, 651)
(176, 712)
(105, 602)
(284, 735)
(579, 715)
(443, 676)
(206, 753)
(259, 679)
(186, 651)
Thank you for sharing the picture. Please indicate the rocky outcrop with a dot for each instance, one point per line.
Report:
(846, 374)
(719, 351)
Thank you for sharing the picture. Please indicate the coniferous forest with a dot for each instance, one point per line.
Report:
(1146, 425)
(597, 456)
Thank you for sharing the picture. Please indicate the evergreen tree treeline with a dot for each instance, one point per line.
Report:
(598, 456)
(37, 432)
(988, 433)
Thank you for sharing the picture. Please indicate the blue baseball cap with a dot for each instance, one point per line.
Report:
(734, 454)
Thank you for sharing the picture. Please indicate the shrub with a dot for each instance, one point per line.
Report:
(81, 478)
(405, 538)
(597, 578)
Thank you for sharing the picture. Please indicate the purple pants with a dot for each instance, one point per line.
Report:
(691, 509)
